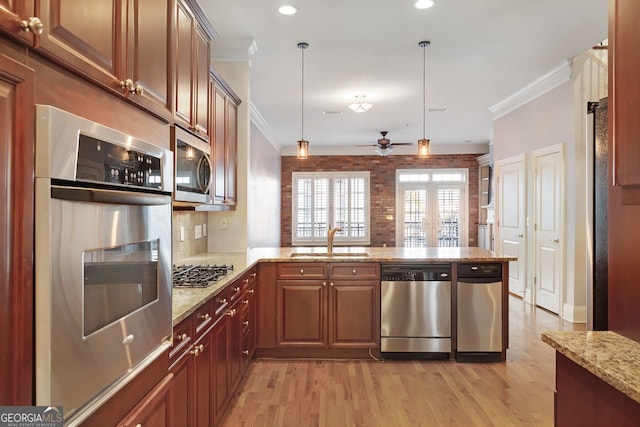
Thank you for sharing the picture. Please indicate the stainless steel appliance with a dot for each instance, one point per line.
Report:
(415, 308)
(198, 276)
(103, 259)
(193, 168)
(479, 332)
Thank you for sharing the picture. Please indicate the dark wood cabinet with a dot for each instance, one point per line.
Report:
(624, 90)
(333, 305)
(193, 37)
(17, 93)
(155, 409)
(220, 366)
(17, 20)
(124, 46)
(225, 141)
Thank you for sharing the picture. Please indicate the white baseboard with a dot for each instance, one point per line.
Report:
(574, 313)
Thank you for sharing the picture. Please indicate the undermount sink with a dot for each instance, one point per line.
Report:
(329, 255)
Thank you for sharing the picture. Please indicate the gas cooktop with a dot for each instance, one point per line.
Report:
(198, 276)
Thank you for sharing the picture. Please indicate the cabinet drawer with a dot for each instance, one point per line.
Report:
(221, 302)
(302, 270)
(234, 290)
(359, 270)
(204, 317)
(183, 336)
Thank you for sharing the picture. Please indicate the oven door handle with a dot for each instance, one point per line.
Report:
(115, 197)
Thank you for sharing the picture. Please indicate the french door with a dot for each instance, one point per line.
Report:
(431, 213)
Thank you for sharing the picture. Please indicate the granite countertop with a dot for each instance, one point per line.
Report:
(607, 355)
(187, 300)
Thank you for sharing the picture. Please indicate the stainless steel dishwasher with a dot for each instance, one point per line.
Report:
(479, 326)
(415, 308)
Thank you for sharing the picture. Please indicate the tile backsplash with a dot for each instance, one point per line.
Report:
(189, 234)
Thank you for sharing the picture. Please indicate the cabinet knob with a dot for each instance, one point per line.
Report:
(324, 283)
(231, 312)
(245, 352)
(138, 425)
(138, 90)
(331, 284)
(127, 85)
(32, 25)
(245, 301)
(251, 291)
(205, 316)
(301, 271)
(353, 271)
(182, 337)
(245, 323)
(236, 289)
(222, 301)
(246, 281)
(254, 274)
(197, 350)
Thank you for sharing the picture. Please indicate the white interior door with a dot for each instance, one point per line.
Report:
(511, 219)
(548, 211)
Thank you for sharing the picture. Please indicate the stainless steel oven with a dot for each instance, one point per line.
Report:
(193, 168)
(103, 259)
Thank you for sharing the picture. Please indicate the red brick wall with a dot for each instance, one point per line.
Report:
(383, 187)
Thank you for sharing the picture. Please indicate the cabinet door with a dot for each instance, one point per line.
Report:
(183, 54)
(219, 119)
(301, 313)
(12, 13)
(155, 409)
(231, 148)
(201, 82)
(623, 89)
(16, 234)
(89, 40)
(354, 314)
(220, 365)
(203, 357)
(183, 390)
(236, 358)
(149, 53)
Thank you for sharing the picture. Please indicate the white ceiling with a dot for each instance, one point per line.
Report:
(481, 52)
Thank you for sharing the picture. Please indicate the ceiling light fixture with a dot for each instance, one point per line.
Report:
(423, 144)
(423, 4)
(360, 105)
(303, 145)
(287, 9)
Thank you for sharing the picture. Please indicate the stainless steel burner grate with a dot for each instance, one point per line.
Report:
(198, 276)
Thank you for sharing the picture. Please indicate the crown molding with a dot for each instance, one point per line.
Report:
(233, 49)
(549, 81)
(262, 125)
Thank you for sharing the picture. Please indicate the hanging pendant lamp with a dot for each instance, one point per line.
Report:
(423, 144)
(303, 145)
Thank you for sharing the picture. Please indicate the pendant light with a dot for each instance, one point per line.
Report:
(303, 145)
(423, 144)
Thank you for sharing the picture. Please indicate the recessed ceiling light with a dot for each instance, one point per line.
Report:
(288, 9)
(438, 110)
(423, 4)
(332, 113)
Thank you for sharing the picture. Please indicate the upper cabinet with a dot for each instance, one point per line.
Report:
(124, 46)
(18, 20)
(624, 87)
(193, 37)
(224, 119)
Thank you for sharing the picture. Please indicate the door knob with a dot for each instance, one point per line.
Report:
(555, 240)
(520, 235)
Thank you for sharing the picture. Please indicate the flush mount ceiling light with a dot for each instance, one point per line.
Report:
(287, 9)
(423, 4)
(303, 145)
(360, 105)
(423, 144)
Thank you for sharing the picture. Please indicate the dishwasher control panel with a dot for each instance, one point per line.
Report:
(415, 273)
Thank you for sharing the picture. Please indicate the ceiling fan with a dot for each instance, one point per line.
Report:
(384, 145)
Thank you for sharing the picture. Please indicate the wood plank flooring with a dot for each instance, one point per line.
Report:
(301, 393)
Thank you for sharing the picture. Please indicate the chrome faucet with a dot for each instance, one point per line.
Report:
(330, 236)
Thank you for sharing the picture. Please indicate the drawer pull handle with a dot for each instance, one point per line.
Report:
(251, 291)
(245, 301)
(245, 323)
(231, 312)
(222, 301)
(197, 350)
(246, 281)
(236, 289)
(182, 337)
(245, 352)
(205, 316)
(254, 274)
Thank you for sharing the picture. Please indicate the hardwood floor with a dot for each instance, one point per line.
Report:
(518, 392)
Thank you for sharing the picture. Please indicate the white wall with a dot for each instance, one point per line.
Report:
(559, 116)
(264, 192)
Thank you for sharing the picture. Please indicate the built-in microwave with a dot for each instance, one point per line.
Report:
(193, 168)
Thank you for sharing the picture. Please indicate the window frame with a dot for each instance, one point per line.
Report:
(340, 239)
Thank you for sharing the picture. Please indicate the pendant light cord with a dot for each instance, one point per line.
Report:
(302, 46)
(424, 91)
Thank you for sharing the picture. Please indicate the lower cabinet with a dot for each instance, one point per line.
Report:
(336, 306)
(155, 409)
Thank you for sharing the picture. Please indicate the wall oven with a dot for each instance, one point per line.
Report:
(193, 168)
(103, 259)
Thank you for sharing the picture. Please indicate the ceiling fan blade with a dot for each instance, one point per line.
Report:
(366, 145)
(401, 143)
